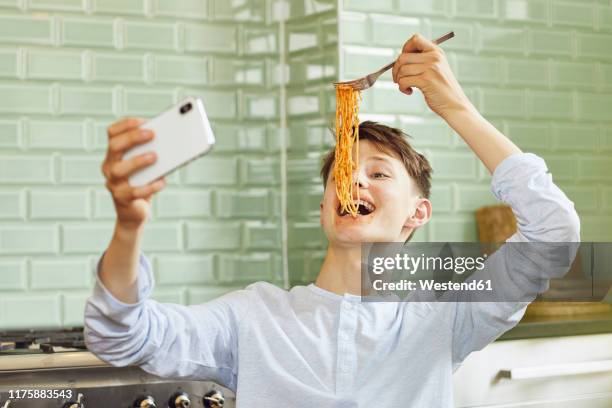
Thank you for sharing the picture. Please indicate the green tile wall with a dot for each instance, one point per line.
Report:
(540, 70)
(69, 68)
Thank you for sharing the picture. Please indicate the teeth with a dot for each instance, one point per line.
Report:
(367, 205)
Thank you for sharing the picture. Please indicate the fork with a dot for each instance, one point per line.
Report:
(368, 80)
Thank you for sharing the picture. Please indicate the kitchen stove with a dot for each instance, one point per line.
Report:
(54, 369)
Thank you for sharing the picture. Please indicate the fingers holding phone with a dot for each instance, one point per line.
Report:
(132, 204)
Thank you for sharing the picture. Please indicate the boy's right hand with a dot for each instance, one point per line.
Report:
(132, 204)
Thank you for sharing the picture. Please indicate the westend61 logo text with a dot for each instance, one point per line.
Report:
(412, 264)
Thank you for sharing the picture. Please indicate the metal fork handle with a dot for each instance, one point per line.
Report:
(381, 71)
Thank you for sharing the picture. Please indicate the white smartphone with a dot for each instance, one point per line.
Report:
(182, 134)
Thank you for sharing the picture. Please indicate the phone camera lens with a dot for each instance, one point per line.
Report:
(185, 108)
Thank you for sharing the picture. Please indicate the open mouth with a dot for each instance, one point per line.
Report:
(363, 208)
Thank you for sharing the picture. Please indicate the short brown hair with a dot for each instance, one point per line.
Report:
(392, 141)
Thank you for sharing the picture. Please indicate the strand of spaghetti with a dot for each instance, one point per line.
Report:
(347, 135)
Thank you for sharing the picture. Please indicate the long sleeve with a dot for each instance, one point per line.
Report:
(522, 269)
(192, 342)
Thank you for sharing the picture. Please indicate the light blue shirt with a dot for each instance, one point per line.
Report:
(308, 347)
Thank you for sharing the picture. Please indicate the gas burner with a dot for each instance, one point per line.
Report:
(25, 342)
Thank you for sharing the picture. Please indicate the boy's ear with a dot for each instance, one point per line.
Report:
(321, 212)
(422, 214)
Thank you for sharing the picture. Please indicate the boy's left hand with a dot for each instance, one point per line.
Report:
(423, 64)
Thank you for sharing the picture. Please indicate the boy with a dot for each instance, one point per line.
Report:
(319, 346)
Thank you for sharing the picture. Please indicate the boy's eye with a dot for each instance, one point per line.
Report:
(379, 175)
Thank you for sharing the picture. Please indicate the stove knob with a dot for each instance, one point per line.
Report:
(75, 404)
(213, 399)
(144, 402)
(179, 400)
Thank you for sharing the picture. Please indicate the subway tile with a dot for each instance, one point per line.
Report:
(119, 68)
(162, 237)
(504, 39)
(183, 204)
(575, 137)
(261, 171)
(529, 135)
(303, 200)
(303, 169)
(546, 42)
(181, 70)
(212, 171)
(28, 239)
(147, 102)
(54, 205)
(206, 294)
(472, 197)
(554, 105)
(211, 38)
(604, 17)
(303, 104)
(59, 5)
(231, 71)
(607, 198)
(36, 29)
(16, 169)
(581, 15)
(426, 132)
(12, 205)
(306, 235)
(562, 168)
(185, 269)
(95, 101)
(477, 9)
(260, 105)
(594, 106)
(10, 134)
(354, 28)
(73, 306)
(43, 134)
(262, 235)
(605, 79)
(103, 205)
(393, 31)
(10, 3)
(25, 99)
(8, 63)
(81, 170)
(180, 8)
(524, 72)
(442, 198)
(25, 312)
(231, 137)
(302, 36)
(83, 238)
(53, 273)
(253, 10)
(453, 166)
(595, 229)
(87, 32)
(574, 74)
(245, 268)
(379, 6)
(211, 236)
(150, 36)
(358, 60)
(118, 6)
(453, 229)
(465, 38)
(606, 139)
(253, 203)
(594, 45)
(260, 40)
(13, 274)
(504, 103)
(595, 168)
(386, 98)
(432, 7)
(219, 104)
(529, 11)
(475, 69)
(586, 199)
(297, 267)
(307, 134)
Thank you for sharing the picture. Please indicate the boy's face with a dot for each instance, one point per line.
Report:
(385, 184)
